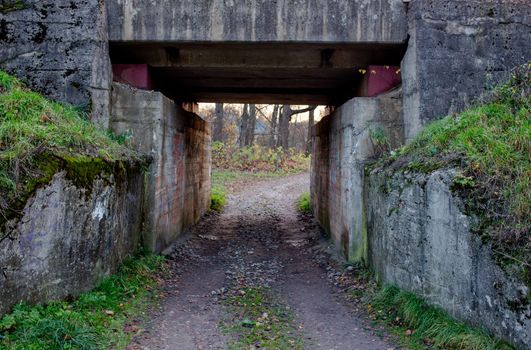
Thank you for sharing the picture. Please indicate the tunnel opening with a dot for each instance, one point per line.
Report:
(164, 84)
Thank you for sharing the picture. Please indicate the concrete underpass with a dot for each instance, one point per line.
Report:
(155, 83)
(258, 238)
(385, 66)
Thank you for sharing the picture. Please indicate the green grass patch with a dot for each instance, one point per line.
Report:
(100, 319)
(304, 204)
(218, 198)
(36, 134)
(491, 145)
(260, 322)
(420, 326)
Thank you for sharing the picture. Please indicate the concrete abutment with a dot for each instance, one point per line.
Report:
(344, 142)
(178, 144)
(411, 229)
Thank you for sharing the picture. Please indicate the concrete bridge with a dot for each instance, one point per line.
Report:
(298, 52)
(266, 51)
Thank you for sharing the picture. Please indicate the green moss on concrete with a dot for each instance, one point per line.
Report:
(12, 5)
(357, 253)
(82, 170)
(39, 138)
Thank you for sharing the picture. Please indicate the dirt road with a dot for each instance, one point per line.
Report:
(258, 241)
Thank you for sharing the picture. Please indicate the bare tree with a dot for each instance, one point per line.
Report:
(244, 124)
(309, 140)
(274, 122)
(219, 123)
(248, 125)
(251, 126)
(283, 125)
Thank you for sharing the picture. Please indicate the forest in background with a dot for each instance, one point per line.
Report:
(271, 126)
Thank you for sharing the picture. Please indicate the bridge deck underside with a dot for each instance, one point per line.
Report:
(281, 73)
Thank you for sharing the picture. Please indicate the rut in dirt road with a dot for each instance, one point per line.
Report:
(257, 242)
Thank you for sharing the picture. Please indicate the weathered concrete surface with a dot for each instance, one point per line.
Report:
(198, 167)
(364, 21)
(343, 142)
(59, 47)
(457, 50)
(69, 237)
(178, 182)
(420, 240)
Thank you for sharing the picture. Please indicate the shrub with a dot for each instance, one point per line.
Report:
(258, 159)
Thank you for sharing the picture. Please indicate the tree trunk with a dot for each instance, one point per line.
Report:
(274, 119)
(283, 127)
(251, 125)
(244, 124)
(285, 119)
(219, 123)
(309, 140)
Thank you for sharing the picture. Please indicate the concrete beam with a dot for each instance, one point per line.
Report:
(257, 55)
(361, 21)
(286, 73)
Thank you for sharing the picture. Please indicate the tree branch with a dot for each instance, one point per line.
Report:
(305, 110)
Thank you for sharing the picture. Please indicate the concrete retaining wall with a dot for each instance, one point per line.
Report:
(178, 142)
(420, 240)
(458, 50)
(343, 142)
(410, 228)
(69, 237)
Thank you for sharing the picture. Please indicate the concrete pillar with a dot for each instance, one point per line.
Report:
(343, 144)
(178, 143)
(60, 48)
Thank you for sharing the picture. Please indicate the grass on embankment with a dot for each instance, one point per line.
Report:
(261, 322)
(100, 319)
(37, 134)
(491, 145)
(420, 326)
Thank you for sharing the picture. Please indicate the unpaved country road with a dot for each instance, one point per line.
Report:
(259, 240)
